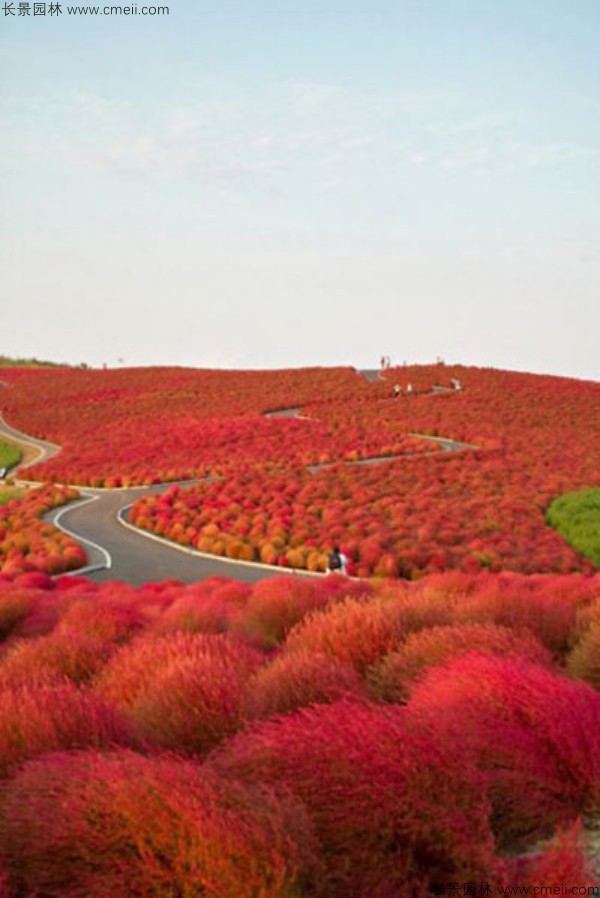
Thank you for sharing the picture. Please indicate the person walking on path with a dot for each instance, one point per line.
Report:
(337, 563)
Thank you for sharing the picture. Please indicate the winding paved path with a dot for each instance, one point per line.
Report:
(118, 551)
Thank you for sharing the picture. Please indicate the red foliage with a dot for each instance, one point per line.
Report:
(36, 720)
(114, 619)
(15, 605)
(393, 811)
(195, 612)
(479, 510)
(119, 824)
(393, 677)
(50, 660)
(584, 660)
(300, 679)
(180, 691)
(564, 861)
(545, 605)
(30, 546)
(275, 606)
(355, 631)
(534, 734)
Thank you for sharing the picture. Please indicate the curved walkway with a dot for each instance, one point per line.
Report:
(119, 551)
(36, 451)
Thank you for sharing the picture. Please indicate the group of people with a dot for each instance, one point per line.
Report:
(386, 362)
(398, 389)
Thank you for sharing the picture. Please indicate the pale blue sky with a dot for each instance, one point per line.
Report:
(252, 184)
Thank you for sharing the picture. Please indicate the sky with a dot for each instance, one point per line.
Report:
(254, 184)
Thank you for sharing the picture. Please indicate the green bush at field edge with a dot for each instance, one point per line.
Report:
(576, 516)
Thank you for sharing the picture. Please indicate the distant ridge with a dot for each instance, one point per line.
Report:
(8, 362)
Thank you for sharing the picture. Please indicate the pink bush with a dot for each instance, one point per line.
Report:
(120, 824)
(180, 691)
(535, 735)
(393, 677)
(393, 811)
(300, 679)
(353, 631)
(38, 720)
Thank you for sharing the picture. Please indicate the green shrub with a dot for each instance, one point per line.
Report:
(577, 517)
(9, 455)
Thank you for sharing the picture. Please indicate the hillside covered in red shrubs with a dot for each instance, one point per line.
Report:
(302, 738)
(28, 543)
(420, 511)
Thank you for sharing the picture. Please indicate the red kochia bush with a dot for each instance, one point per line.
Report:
(4, 887)
(422, 605)
(354, 631)
(103, 618)
(563, 861)
(392, 678)
(53, 659)
(545, 605)
(119, 824)
(393, 811)
(299, 679)
(275, 605)
(584, 660)
(15, 605)
(535, 734)
(181, 691)
(198, 612)
(34, 721)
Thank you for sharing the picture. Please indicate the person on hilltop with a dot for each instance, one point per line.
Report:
(337, 563)
(396, 390)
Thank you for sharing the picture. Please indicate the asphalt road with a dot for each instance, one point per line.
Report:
(134, 557)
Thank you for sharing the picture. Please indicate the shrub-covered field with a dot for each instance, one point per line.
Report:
(298, 738)
(425, 511)
(27, 543)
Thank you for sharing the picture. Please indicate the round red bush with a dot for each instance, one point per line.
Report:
(53, 659)
(300, 679)
(15, 605)
(275, 605)
(35, 721)
(180, 691)
(393, 677)
(353, 631)
(393, 811)
(583, 661)
(120, 824)
(563, 861)
(534, 734)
